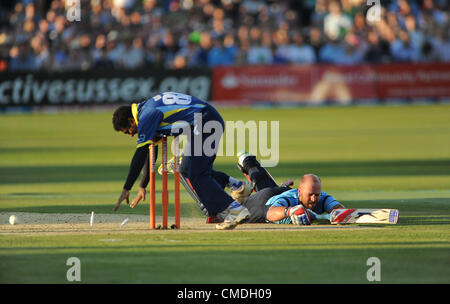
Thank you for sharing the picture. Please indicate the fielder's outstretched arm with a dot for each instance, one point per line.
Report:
(136, 165)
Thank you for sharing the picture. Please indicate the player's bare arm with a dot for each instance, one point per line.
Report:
(276, 213)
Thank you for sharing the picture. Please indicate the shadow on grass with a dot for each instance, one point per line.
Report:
(180, 263)
(99, 173)
(429, 211)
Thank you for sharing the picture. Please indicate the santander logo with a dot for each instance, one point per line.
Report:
(229, 81)
(232, 81)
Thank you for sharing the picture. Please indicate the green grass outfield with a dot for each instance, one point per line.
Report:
(390, 157)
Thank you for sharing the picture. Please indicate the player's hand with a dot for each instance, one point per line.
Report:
(124, 196)
(299, 215)
(139, 197)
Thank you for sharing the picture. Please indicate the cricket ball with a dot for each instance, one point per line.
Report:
(13, 220)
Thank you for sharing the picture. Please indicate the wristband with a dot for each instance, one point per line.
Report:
(286, 212)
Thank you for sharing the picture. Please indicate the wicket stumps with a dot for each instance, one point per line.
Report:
(165, 191)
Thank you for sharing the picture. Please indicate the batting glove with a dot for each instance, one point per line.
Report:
(299, 215)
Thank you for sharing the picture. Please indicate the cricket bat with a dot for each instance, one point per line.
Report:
(361, 216)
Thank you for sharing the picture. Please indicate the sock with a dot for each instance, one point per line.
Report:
(234, 184)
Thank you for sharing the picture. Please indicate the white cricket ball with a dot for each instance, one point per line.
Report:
(13, 220)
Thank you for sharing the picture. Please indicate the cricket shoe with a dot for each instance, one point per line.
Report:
(246, 161)
(170, 165)
(243, 192)
(234, 215)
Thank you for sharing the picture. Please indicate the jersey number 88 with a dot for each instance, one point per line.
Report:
(176, 98)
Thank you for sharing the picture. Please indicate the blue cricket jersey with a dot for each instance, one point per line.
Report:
(290, 198)
(157, 115)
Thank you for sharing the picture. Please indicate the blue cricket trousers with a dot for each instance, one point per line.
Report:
(197, 167)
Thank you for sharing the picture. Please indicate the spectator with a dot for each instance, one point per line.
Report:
(403, 50)
(41, 53)
(260, 51)
(21, 59)
(28, 29)
(360, 28)
(149, 9)
(316, 40)
(319, 14)
(345, 52)
(230, 44)
(253, 6)
(44, 29)
(201, 55)
(60, 58)
(151, 51)
(220, 54)
(188, 52)
(332, 52)
(377, 50)
(18, 15)
(299, 51)
(242, 52)
(114, 48)
(351, 7)
(218, 25)
(443, 46)
(179, 62)
(282, 41)
(403, 8)
(336, 24)
(163, 32)
(352, 55)
(415, 36)
(30, 13)
(168, 47)
(431, 15)
(78, 59)
(97, 51)
(243, 33)
(132, 55)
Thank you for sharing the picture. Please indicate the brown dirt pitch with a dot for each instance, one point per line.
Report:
(75, 223)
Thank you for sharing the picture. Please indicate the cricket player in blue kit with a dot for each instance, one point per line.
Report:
(283, 205)
(166, 114)
(289, 200)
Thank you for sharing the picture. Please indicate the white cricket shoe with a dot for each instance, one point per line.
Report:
(234, 215)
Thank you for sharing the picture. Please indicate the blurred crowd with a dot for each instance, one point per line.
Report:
(174, 34)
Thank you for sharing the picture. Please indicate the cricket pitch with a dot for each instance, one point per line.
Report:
(60, 223)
